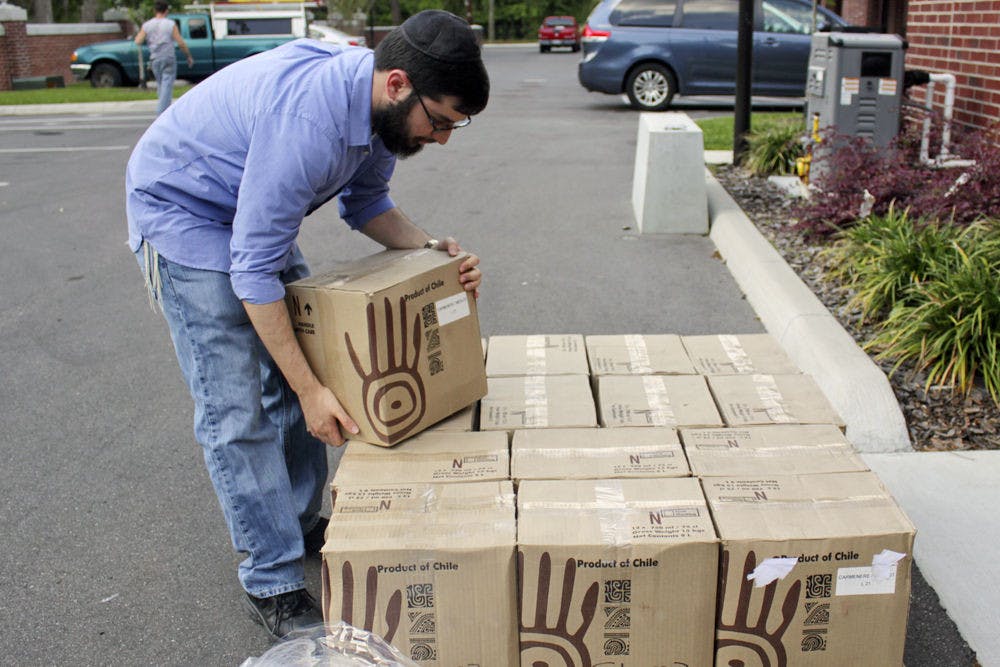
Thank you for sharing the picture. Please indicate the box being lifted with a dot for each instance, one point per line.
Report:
(395, 336)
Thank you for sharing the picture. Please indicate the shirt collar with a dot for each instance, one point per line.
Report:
(360, 121)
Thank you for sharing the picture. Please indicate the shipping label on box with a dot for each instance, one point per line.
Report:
(431, 570)
(786, 449)
(588, 453)
(638, 355)
(511, 356)
(738, 355)
(431, 456)
(772, 399)
(395, 337)
(655, 400)
(616, 572)
(537, 401)
(815, 570)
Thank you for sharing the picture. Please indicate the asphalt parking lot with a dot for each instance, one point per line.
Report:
(116, 552)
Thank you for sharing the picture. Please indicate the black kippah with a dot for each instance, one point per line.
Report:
(442, 36)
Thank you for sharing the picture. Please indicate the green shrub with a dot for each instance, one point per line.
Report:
(883, 256)
(948, 322)
(774, 148)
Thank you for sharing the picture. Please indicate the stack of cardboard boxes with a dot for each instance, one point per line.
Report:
(678, 500)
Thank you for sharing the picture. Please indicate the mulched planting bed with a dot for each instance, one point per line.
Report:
(940, 419)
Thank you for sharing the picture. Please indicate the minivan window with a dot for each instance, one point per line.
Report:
(791, 17)
(709, 14)
(644, 13)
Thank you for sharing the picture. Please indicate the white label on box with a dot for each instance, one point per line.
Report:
(862, 581)
(452, 308)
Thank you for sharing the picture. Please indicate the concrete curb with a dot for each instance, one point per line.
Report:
(811, 336)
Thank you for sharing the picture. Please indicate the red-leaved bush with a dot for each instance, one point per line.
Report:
(848, 166)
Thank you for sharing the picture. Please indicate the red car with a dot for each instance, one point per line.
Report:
(558, 31)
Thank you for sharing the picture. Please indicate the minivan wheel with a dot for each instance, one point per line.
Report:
(650, 87)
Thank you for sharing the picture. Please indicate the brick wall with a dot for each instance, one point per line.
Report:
(961, 37)
(44, 49)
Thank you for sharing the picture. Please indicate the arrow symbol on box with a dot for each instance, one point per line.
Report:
(309, 309)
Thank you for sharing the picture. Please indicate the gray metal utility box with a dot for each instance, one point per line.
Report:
(855, 84)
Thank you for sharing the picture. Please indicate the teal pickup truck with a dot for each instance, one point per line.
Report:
(216, 39)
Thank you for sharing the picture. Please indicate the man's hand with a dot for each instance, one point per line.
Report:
(324, 415)
(322, 411)
(469, 274)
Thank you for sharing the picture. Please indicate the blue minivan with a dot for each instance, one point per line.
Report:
(654, 49)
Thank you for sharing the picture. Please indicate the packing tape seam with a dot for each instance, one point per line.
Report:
(737, 354)
(595, 452)
(662, 412)
(638, 354)
(770, 396)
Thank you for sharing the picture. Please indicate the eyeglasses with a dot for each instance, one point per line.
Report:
(441, 126)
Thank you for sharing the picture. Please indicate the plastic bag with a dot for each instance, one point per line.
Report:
(340, 645)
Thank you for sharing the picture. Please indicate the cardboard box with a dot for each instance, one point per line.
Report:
(771, 399)
(510, 356)
(436, 582)
(462, 421)
(537, 401)
(418, 501)
(616, 572)
(597, 453)
(395, 336)
(655, 400)
(786, 449)
(432, 456)
(828, 559)
(638, 355)
(738, 355)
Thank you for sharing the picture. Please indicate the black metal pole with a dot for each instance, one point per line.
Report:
(744, 71)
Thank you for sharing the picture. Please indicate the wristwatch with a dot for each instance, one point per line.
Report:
(431, 244)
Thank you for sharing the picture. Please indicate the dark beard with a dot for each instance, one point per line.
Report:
(389, 123)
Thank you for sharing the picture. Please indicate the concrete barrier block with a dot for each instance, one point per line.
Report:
(668, 184)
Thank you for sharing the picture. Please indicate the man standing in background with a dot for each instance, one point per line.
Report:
(161, 33)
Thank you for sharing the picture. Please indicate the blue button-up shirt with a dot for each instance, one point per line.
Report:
(222, 179)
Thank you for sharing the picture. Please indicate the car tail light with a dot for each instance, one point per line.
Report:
(354, 42)
(591, 35)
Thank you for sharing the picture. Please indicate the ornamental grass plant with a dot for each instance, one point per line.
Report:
(945, 318)
(774, 148)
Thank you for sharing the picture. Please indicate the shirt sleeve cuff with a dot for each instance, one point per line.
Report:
(357, 218)
(257, 288)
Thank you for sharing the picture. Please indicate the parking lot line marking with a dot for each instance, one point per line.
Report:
(64, 149)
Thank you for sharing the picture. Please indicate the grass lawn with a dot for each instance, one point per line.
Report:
(718, 132)
(81, 92)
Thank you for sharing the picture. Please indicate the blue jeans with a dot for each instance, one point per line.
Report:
(268, 472)
(165, 72)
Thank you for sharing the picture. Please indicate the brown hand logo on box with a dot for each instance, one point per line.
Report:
(745, 644)
(544, 645)
(393, 609)
(394, 396)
